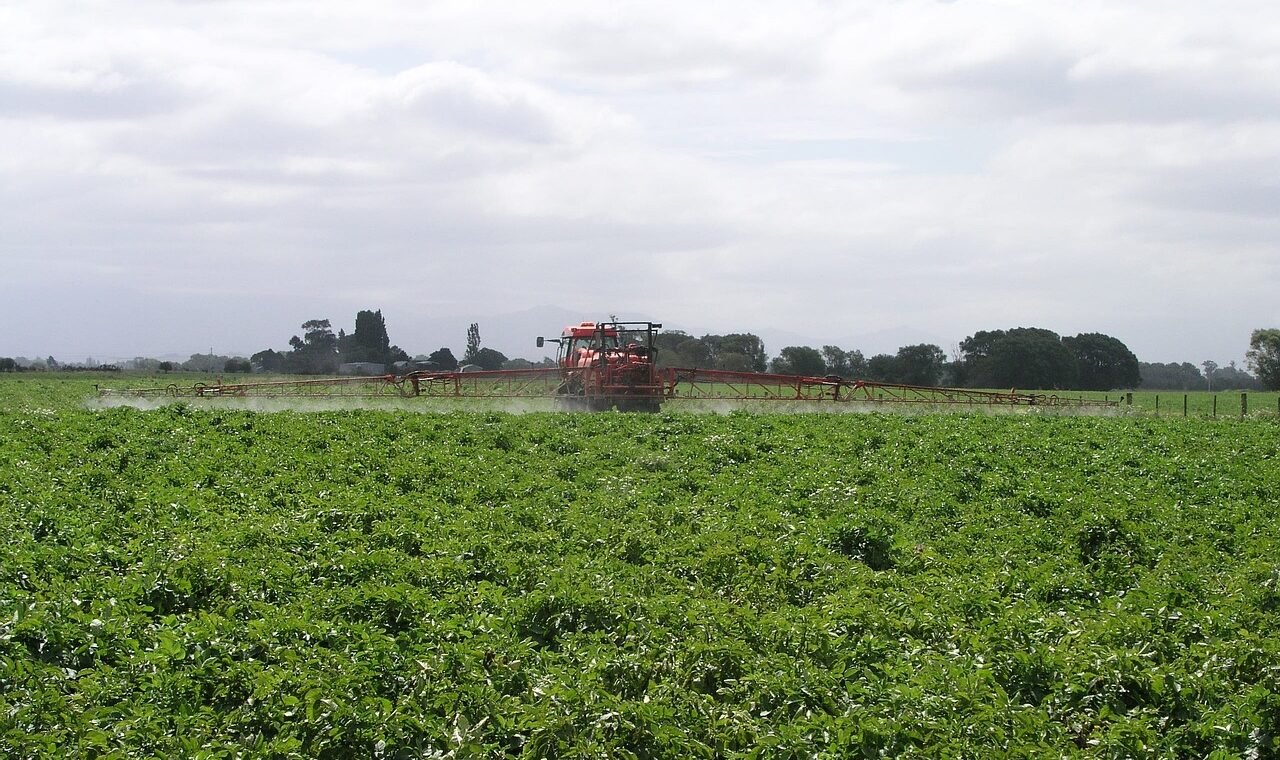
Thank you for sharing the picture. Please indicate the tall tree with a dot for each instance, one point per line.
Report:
(1210, 366)
(316, 352)
(473, 344)
(1103, 362)
(1264, 356)
(369, 342)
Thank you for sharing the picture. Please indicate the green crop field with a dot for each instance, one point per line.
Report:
(195, 581)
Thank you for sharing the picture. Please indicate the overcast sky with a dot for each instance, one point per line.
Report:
(180, 176)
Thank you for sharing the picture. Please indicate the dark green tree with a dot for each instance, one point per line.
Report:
(733, 362)
(742, 352)
(921, 364)
(882, 368)
(205, 363)
(369, 342)
(1024, 357)
(847, 364)
(1264, 356)
(1170, 376)
(1029, 361)
(443, 358)
(237, 364)
(316, 352)
(800, 360)
(679, 349)
(487, 358)
(269, 360)
(1103, 363)
(7, 364)
(1232, 378)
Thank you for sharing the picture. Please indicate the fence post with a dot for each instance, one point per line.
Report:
(1184, 405)
(1157, 404)
(1244, 404)
(1215, 405)
(1128, 399)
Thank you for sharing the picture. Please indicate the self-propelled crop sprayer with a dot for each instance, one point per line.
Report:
(602, 366)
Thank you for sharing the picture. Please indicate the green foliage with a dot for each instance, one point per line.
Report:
(316, 352)
(847, 364)
(1171, 376)
(1036, 358)
(369, 341)
(488, 358)
(743, 352)
(1024, 357)
(216, 582)
(678, 349)
(443, 358)
(1264, 357)
(920, 364)
(800, 360)
(473, 344)
(1103, 363)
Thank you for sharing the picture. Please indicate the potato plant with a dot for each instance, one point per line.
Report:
(217, 583)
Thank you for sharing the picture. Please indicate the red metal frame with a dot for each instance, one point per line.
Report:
(534, 382)
(671, 384)
(329, 387)
(712, 384)
(594, 372)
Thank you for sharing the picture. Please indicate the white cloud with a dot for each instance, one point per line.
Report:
(826, 169)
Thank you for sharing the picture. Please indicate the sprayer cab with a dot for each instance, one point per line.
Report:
(607, 365)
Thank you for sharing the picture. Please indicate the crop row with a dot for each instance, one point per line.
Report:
(369, 583)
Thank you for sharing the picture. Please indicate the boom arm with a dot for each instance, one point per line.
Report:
(673, 384)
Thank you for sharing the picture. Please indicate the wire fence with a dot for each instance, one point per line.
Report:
(1216, 404)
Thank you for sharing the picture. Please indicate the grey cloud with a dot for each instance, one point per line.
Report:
(1243, 188)
(1017, 82)
(129, 99)
(464, 100)
(651, 51)
(1063, 84)
(1145, 96)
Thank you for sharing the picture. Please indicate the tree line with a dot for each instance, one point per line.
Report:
(1021, 357)
(1029, 358)
(319, 351)
(1032, 358)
